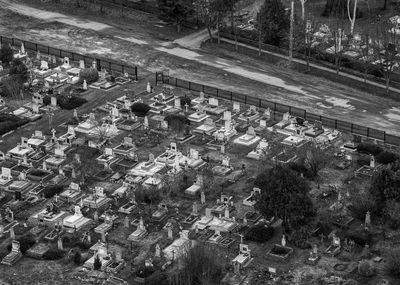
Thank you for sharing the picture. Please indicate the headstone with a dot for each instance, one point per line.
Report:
(54, 101)
(177, 103)
(372, 161)
(368, 219)
(227, 212)
(38, 55)
(195, 210)
(146, 122)
(236, 107)
(283, 241)
(148, 87)
(126, 222)
(158, 251)
(286, 116)
(202, 197)
(263, 123)
(118, 256)
(227, 116)
(151, 157)
(225, 162)
(250, 131)
(94, 64)
(213, 101)
(81, 64)
(96, 216)
(170, 234)
(12, 233)
(44, 65)
(84, 87)
(35, 108)
(60, 244)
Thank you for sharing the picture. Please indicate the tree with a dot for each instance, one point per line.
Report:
(353, 17)
(97, 263)
(175, 10)
(200, 266)
(140, 109)
(177, 122)
(231, 8)
(385, 48)
(77, 258)
(337, 8)
(303, 10)
(274, 22)
(19, 70)
(6, 54)
(284, 194)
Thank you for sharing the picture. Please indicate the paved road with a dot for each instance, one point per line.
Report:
(231, 72)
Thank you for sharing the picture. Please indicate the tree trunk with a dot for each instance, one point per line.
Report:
(303, 12)
(387, 83)
(218, 25)
(178, 28)
(234, 30)
(209, 33)
(291, 31)
(385, 5)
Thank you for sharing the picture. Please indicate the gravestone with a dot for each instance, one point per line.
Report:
(35, 108)
(202, 197)
(236, 107)
(368, 219)
(213, 102)
(177, 103)
(126, 222)
(81, 64)
(227, 116)
(44, 65)
(250, 131)
(195, 210)
(170, 234)
(263, 123)
(158, 251)
(283, 241)
(60, 244)
(84, 87)
(53, 101)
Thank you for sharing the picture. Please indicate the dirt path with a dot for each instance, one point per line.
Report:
(227, 71)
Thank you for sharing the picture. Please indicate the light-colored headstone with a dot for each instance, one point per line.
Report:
(35, 108)
(227, 116)
(236, 107)
(54, 101)
(263, 123)
(44, 65)
(84, 87)
(81, 64)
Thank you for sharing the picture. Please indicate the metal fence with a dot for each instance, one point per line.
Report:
(109, 65)
(278, 109)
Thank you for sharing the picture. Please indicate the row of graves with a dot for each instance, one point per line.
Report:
(51, 76)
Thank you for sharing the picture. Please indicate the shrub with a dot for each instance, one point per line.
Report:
(177, 122)
(260, 233)
(140, 109)
(144, 271)
(360, 237)
(25, 243)
(12, 87)
(77, 258)
(148, 196)
(89, 74)
(300, 238)
(53, 254)
(9, 122)
(362, 203)
(51, 190)
(97, 263)
(19, 69)
(6, 54)
(185, 100)
(386, 157)
(302, 169)
(392, 265)
(366, 268)
(82, 245)
(369, 148)
(70, 102)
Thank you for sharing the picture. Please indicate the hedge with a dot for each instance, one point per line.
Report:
(69, 103)
(369, 148)
(89, 74)
(50, 191)
(386, 157)
(10, 122)
(259, 233)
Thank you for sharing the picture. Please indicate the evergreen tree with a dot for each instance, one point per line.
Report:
(97, 263)
(175, 10)
(6, 54)
(273, 22)
(284, 194)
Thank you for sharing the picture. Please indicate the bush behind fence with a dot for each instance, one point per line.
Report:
(109, 65)
(278, 109)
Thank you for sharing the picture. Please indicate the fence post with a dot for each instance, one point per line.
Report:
(367, 132)
(217, 92)
(384, 137)
(36, 47)
(231, 96)
(259, 103)
(109, 65)
(305, 115)
(48, 49)
(60, 54)
(190, 85)
(290, 110)
(351, 128)
(245, 99)
(202, 87)
(136, 73)
(335, 124)
(274, 109)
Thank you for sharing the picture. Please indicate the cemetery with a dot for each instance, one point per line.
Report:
(123, 192)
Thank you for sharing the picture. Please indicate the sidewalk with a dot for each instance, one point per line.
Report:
(316, 66)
